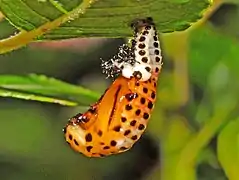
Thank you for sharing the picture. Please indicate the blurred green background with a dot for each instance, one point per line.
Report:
(199, 82)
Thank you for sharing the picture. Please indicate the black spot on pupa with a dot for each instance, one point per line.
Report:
(141, 45)
(137, 74)
(92, 110)
(156, 69)
(156, 44)
(131, 96)
(132, 123)
(145, 32)
(148, 27)
(113, 143)
(76, 143)
(127, 132)
(157, 59)
(137, 112)
(156, 52)
(117, 128)
(128, 107)
(106, 147)
(123, 119)
(141, 127)
(153, 95)
(150, 105)
(147, 69)
(142, 38)
(144, 59)
(145, 90)
(88, 137)
(100, 133)
(70, 137)
(142, 100)
(146, 116)
(88, 148)
(123, 148)
(134, 137)
(142, 52)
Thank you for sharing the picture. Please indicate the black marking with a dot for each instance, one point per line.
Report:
(145, 32)
(153, 95)
(88, 148)
(156, 69)
(141, 127)
(76, 143)
(100, 133)
(114, 105)
(128, 107)
(88, 137)
(148, 27)
(113, 143)
(156, 44)
(142, 100)
(134, 137)
(127, 132)
(106, 147)
(70, 137)
(155, 38)
(157, 59)
(142, 38)
(146, 116)
(132, 123)
(123, 148)
(150, 105)
(137, 74)
(133, 42)
(131, 96)
(123, 119)
(137, 112)
(117, 128)
(144, 59)
(92, 109)
(145, 90)
(141, 46)
(147, 69)
(80, 118)
(142, 52)
(156, 52)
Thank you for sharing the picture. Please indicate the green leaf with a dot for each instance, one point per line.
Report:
(29, 96)
(228, 149)
(25, 88)
(40, 19)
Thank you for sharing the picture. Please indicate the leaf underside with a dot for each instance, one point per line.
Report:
(104, 18)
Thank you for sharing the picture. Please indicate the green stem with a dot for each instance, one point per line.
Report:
(189, 154)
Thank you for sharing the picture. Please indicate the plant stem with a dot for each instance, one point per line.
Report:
(190, 152)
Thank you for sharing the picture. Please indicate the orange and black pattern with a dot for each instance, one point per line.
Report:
(114, 123)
